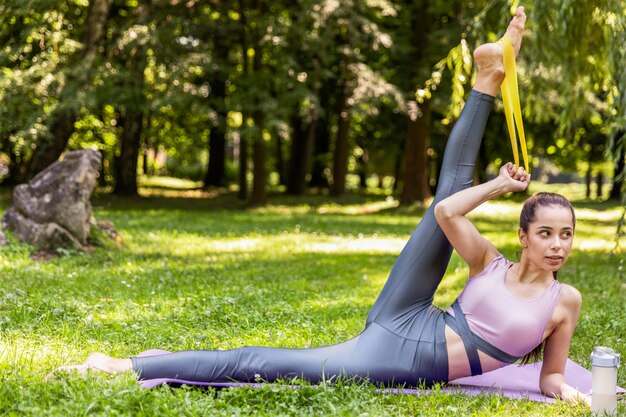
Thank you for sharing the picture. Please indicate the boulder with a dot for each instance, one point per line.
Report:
(53, 210)
(3, 240)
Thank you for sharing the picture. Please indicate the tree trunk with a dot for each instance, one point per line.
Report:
(397, 171)
(105, 160)
(216, 169)
(126, 167)
(242, 194)
(280, 161)
(321, 149)
(62, 121)
(50, 149)
(415, 180)
(321, 145)
(480, 173)
(294, 185)
(300, 159)
(340, 159)
(588, 182)
(362, 163)
(619, 168)
(131, 114)
(144, 160)
(145, 146)
(259, 182)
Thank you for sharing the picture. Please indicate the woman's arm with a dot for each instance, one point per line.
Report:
(450, 213)
(551, 380)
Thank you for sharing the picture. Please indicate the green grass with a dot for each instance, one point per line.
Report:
(199, 273)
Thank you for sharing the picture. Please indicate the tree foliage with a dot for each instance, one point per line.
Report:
(310, 89)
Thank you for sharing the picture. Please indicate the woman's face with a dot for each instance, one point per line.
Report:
(549, 238)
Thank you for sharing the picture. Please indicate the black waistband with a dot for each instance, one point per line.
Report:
(473, 343)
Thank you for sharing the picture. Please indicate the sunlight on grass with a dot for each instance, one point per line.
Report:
(193, 245)
(572, 191)
(176, 193)
(610, 215)
(589, 244)
(168, 182)
(360, 244)
(373, 207)
(498, 209)
(329, 302)
(283, 209)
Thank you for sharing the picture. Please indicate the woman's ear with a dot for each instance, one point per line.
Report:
(523, 238)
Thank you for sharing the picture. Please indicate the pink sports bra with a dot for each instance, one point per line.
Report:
(512, 324)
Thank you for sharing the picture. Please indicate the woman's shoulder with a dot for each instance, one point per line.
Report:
(567, 308)
(493, 259)
(570, 295)
(496, 257)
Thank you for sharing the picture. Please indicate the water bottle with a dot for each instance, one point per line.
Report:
(604, 364)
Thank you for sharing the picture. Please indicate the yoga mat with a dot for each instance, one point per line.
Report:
(512, 381)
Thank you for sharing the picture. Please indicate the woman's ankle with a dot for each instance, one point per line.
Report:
(488, 83)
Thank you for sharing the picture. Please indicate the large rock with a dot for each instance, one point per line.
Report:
(53, 209)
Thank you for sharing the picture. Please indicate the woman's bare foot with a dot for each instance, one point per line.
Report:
(108, 364)
(488, 57)
(97, 362)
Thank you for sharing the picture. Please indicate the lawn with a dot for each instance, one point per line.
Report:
(200, 273)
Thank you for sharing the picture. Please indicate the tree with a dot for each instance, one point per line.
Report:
(415, 177)
(216, 169)
(131, 57)
(327, 81)
(77, 79)
(259, 184)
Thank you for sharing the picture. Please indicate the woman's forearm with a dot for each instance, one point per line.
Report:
(461, 233)
(465, 201)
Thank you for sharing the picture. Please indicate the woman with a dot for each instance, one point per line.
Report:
(407, 340)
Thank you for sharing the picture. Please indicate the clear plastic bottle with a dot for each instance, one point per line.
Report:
(604, 364)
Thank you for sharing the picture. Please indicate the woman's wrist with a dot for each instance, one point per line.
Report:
(501, 186)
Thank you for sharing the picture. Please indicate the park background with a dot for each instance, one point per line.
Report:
(264, 162)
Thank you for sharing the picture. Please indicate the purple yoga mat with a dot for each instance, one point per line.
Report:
(512, 381)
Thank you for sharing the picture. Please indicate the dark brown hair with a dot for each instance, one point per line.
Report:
(529, 211)
(527, 216)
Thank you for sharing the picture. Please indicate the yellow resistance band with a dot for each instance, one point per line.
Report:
(510, 98)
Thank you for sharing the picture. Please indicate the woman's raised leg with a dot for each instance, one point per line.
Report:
(422, 263)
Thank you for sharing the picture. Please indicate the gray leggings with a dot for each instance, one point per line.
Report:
(403, 342)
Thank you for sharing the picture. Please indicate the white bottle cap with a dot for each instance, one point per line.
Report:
(604, 357)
